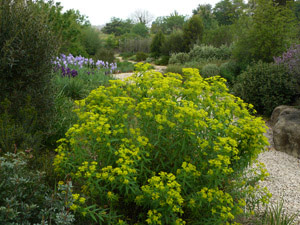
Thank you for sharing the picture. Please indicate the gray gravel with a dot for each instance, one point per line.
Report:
(122, 76)
(284, 179)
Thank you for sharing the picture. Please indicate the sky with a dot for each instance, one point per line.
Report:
(100, 12)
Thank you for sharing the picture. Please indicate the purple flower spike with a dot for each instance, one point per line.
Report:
(291, 59)
(63, 72)
(74, 73)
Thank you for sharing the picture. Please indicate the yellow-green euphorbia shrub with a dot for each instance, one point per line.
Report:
(163, 149)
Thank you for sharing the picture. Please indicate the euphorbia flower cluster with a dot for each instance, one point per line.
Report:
(164, 149)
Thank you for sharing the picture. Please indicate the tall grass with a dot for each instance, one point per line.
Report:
(276, 215)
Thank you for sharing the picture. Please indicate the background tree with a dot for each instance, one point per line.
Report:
(142, 16)
(296, 7)
(169, 23)
(174, 43)
(174, 22)
(67, 26)
(158, 25)
(111, 42)
(281, 2)
(90, 40)
(140, 29)
(206, 13)
(270, 32)
(156, 44)
(192, 32)
(228, 11)
(221, 35)
(117, 26)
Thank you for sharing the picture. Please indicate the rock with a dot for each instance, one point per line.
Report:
(281, 110)
(286, 130)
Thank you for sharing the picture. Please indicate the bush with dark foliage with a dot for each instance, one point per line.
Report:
(266, 85)
(27, 47)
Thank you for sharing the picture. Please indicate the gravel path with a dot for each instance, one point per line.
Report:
(122, 76)
(284, 179)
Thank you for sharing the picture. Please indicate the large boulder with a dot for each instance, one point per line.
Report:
(286, 129)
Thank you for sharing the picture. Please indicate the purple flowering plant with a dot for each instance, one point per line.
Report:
(291, 59)
(89, 75)
(70, 65)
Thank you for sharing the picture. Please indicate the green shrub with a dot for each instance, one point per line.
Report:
(129, 43)
(224, 52)
(195, 64)
(210, 70)
(163, 60)
(229, 70)
(177, 68)
(152, 151)
(106, 55)
(199, 64)
(206, 52)
(126, 55)
(80, 86)
(22, 133)
(202, 55)
(133, 58)
(111, 42)
(174, 43)
(63, 120)
(125, 67)
(149, 60)
(27, 47)
(156, 44)
(266, 86)
(24, 197)
(90, 40)
(222, 35)
(141, 56)
(174, 68)
(179, 58)
(73, 88)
